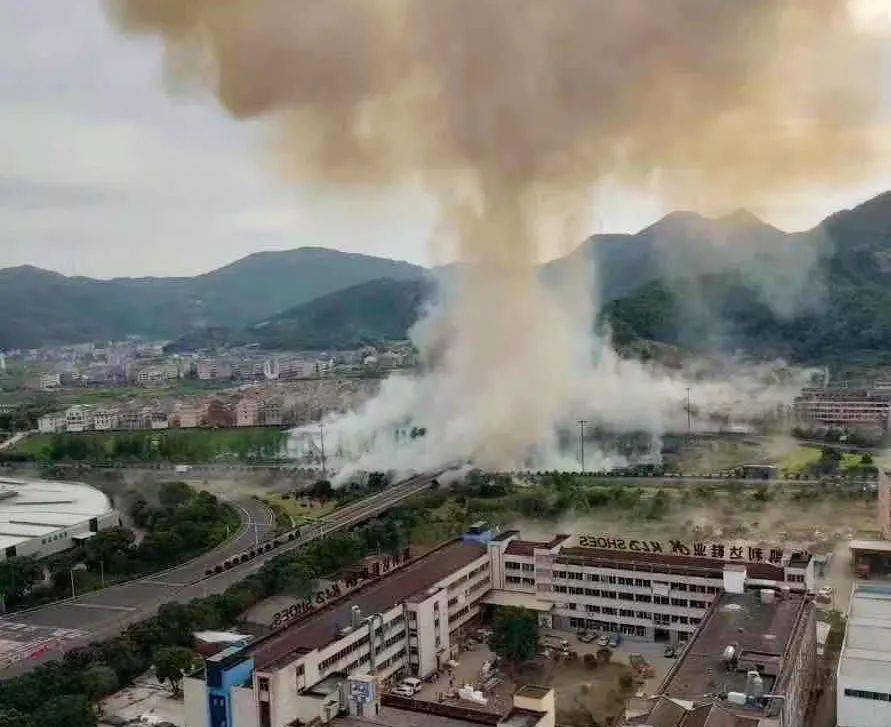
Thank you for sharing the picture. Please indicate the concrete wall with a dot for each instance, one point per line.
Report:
(195, 698)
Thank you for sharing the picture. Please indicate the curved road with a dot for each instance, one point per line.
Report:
(64, 624)
(49, 631)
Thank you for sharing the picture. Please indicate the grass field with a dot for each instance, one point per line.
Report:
(171, 445)
(798, 459)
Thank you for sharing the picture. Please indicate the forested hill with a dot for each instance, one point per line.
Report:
(845, 313)
(40, 307)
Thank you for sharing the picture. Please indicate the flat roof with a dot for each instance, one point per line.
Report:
(527, 547)
(34, 508)
(881, 546)
(669, 563)
(319, 628)
(517, 600)
(761, 631)
(866, 652)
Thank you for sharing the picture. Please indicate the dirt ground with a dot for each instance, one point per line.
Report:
(147, 701)
(582, 693)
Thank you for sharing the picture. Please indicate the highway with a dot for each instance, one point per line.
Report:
(45, 633)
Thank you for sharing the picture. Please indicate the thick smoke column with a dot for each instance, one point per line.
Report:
(509, 111)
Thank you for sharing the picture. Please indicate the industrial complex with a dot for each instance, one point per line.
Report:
(40, 517)
(409, 622)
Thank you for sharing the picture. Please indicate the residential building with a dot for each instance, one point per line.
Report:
(157, 374)
(213, 369)
(247, 411)
(405, 622)
(105, 419)
(188, 415)
(50, 381)
(51, 423)
(79, 418)
(295, 367)
(863, 689)
(270, 413)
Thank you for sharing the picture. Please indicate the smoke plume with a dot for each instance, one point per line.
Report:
(509, 111)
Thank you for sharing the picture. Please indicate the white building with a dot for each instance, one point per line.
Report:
(863, 694)
(51, 423)
(412, 616)
(157, 374)
(38, 518)
(213, 369)
(105, 419)
(79, 418)
(50, 381)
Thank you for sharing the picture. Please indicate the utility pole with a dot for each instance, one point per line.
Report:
(322, 436)
(102, 571)
(73, 591)
(582, 423)
(689, 415)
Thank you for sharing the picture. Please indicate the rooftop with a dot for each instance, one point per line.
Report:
(672, 713)
(34, 508)
(527, 547)
(759, 631)
(879, 546)
(321, 627)
(670, 563)
(866, 653)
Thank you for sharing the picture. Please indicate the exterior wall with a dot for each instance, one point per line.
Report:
(195, 697)
(885, 503)
(62, 538)
(244, 708)
(799, 670)
(865, 710)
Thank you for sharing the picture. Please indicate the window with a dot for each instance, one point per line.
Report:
(641, 598)
(643, 615)
(593, 577)
(679, 586)
(863, 694)
(641, 582)
(626, 596)
(592, 609)
(682, 602)
(609, 611)
(661, 600)
(626, 612)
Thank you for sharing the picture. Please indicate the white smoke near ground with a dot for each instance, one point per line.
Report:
(477, 423)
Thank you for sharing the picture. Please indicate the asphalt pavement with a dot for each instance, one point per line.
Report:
(56, 628)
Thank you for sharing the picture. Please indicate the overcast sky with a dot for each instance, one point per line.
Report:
(103, 172)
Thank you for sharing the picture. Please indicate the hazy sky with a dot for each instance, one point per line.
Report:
(105, 172)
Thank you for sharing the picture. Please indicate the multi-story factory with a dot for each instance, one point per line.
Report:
(409, 620)
(842, 407)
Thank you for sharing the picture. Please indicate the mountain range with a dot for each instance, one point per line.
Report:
(733, 283)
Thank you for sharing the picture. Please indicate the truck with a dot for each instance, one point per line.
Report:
(641, 666)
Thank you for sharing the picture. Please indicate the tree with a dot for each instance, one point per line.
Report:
(14, 718)
(70, 710)
(99, 680)
(514, 634)
(604, 655)
(171, 664)
(17, 575)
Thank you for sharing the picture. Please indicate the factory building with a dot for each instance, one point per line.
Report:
(408, 621)
(752, 663)
(38, 518)
(863, 694)
(647, 590)
(402, 623)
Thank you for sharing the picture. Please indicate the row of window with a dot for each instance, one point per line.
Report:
(517, 579)
(514, 565)
(638, 597)
(863, 694)
(358, 644)
(638, 582)
(627, 629)
(475, 572)
(631, 613)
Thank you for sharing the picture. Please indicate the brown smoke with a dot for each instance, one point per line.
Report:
(502, 107)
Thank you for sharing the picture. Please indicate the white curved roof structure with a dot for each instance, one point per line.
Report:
(39, 509)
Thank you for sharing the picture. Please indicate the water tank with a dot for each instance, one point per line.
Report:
(736, 698)
(757, 687)
(729, 654)
(767, 595)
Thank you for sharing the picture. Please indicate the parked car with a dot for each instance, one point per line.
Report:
(402, 691)
(825, 593)
(614, 640)
(670, 652)
(555, 642)
(603, 640)
(412, 684)
(586, 637)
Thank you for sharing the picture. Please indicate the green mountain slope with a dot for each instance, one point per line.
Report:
(38, 307)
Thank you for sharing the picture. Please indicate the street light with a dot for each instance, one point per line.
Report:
(79, 566)
(582, 423)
